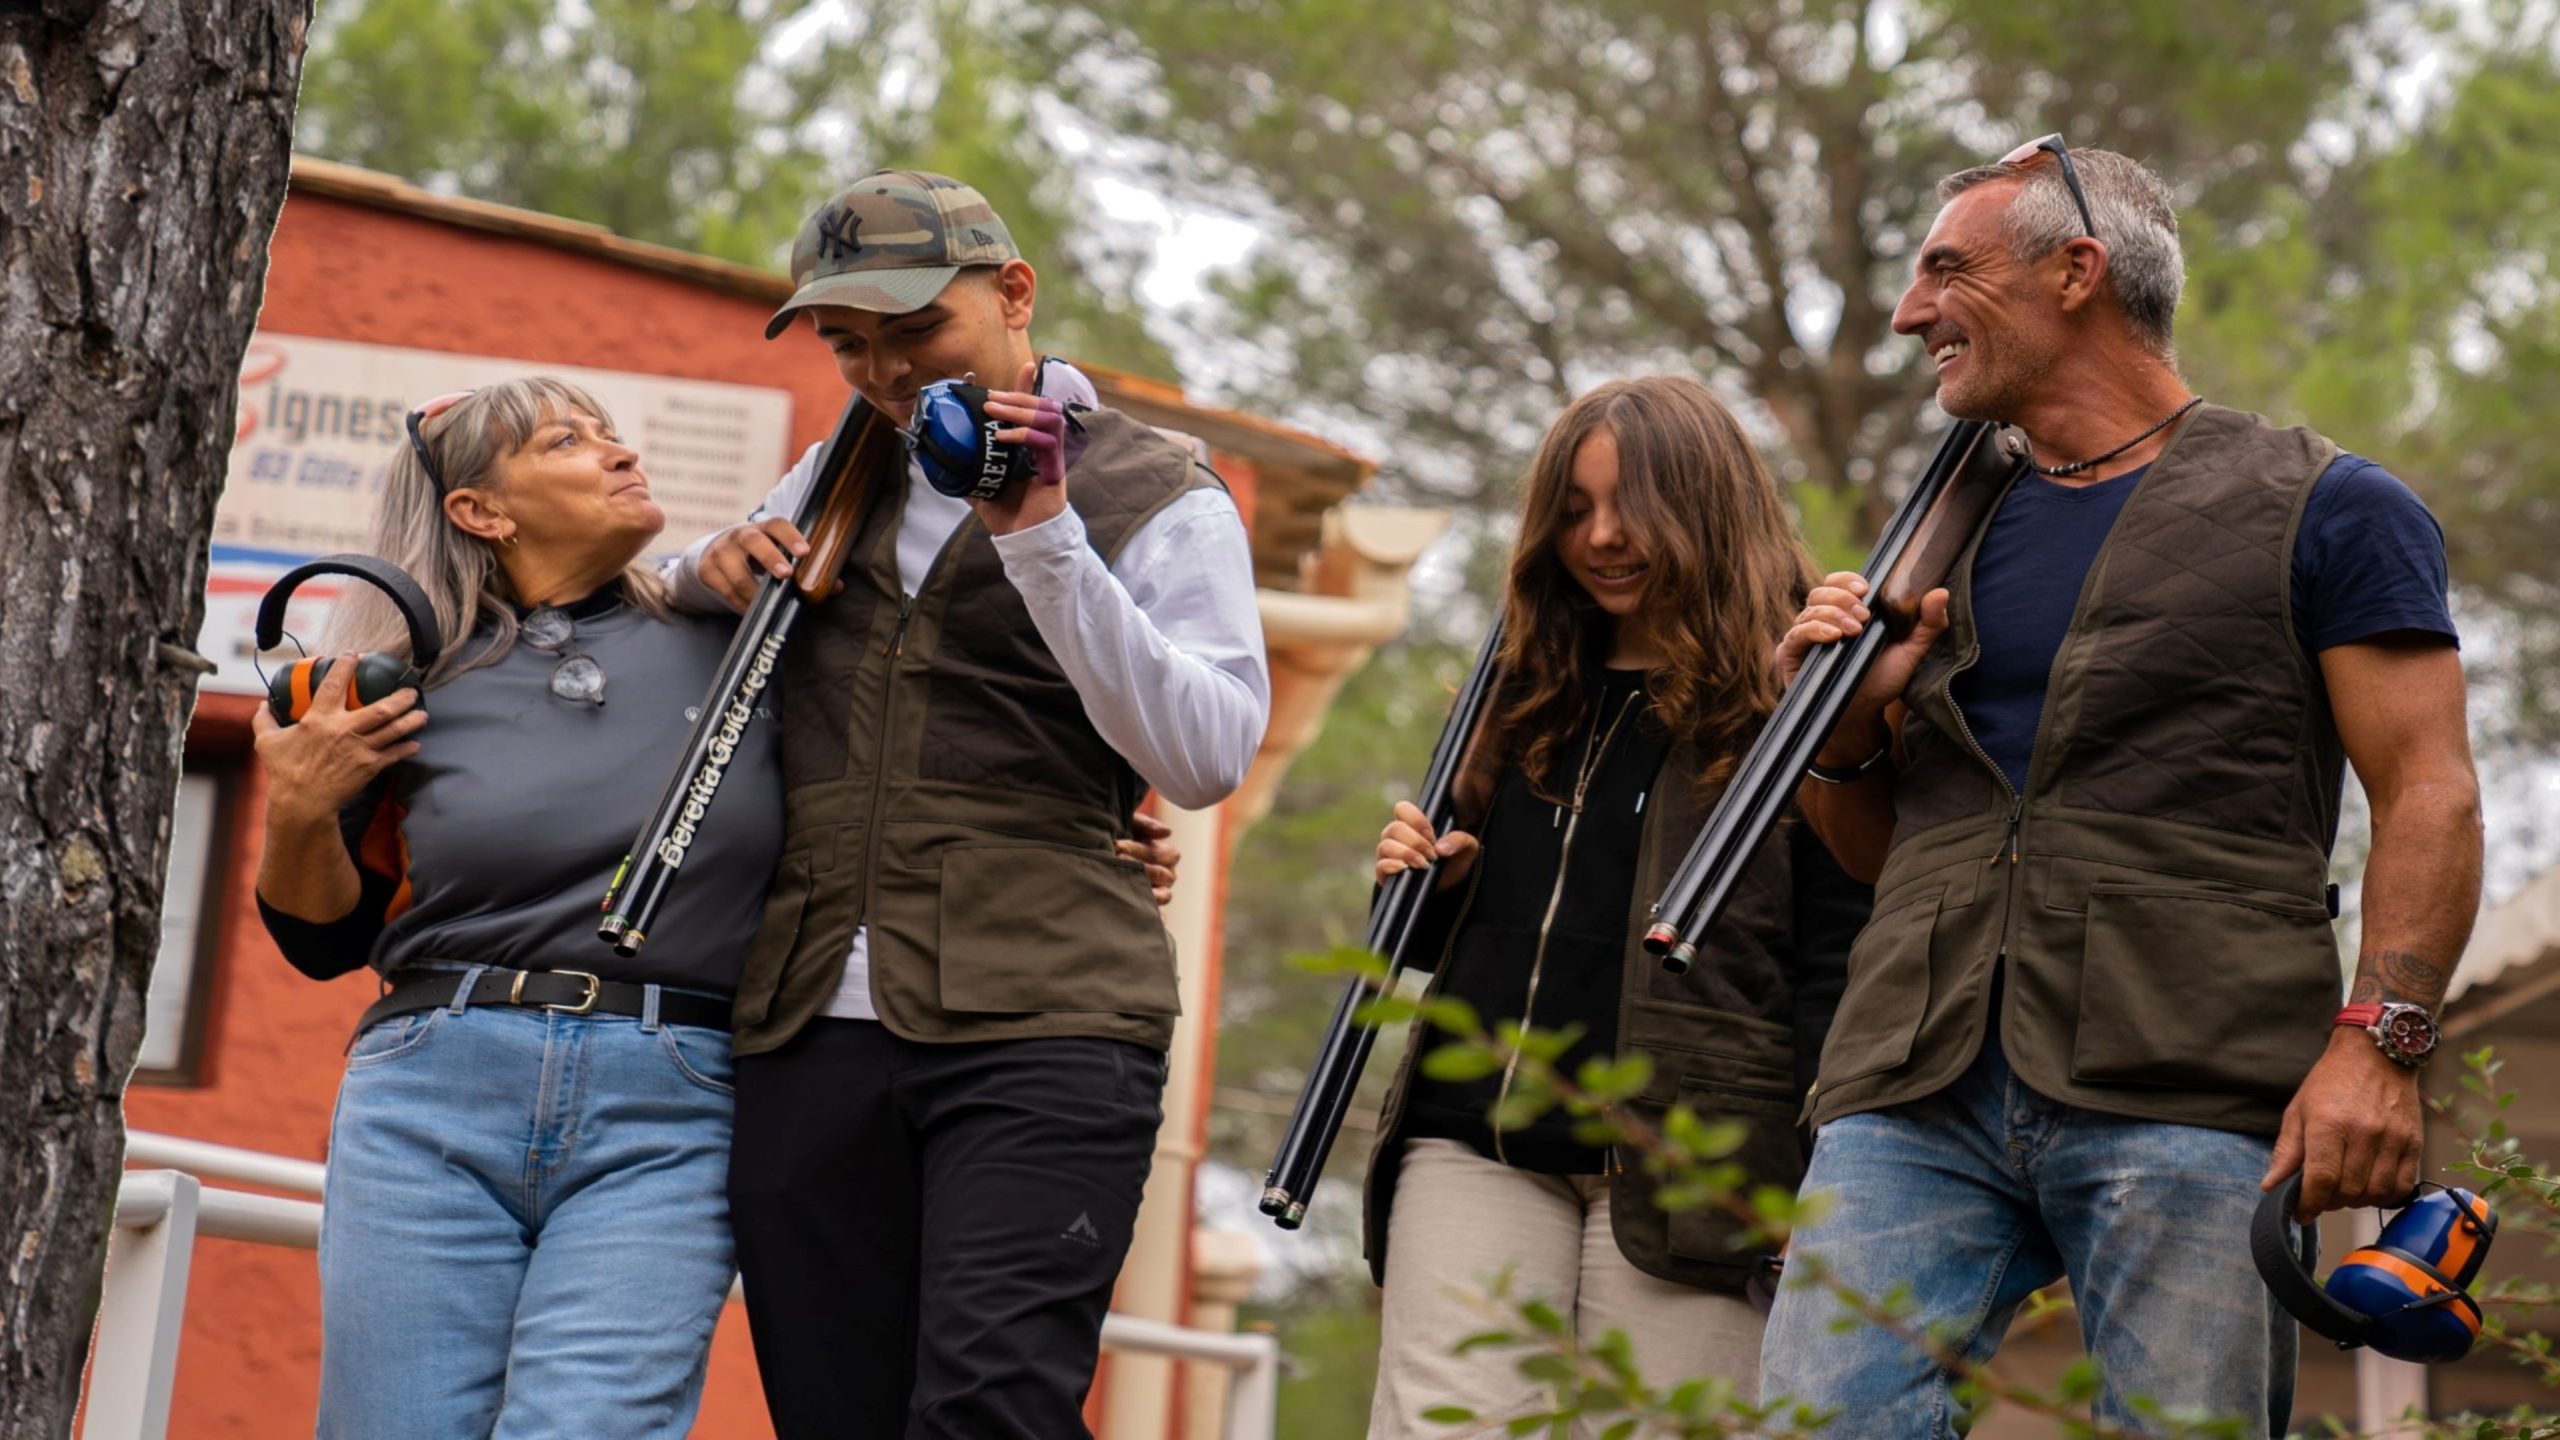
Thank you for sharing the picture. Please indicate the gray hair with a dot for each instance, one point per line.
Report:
(2135, 220)
(460, 571)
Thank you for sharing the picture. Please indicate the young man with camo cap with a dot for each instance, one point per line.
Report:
(951, 1028)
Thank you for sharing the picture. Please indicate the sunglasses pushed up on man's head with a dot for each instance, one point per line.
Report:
(2054, 146)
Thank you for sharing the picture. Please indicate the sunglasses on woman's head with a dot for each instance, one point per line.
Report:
(418, 441)
(2053, 145)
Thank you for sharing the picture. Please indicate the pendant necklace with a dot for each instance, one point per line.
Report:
(2064, 472)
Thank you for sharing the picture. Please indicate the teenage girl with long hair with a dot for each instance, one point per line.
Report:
(1654, 573)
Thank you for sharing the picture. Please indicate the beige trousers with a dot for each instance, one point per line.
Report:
(1459, 1220)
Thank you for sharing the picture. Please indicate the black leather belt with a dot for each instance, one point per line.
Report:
(571, 992)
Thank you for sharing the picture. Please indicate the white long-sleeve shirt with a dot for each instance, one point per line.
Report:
(1164, 645)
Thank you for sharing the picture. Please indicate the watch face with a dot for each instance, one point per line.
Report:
(2408, 1031)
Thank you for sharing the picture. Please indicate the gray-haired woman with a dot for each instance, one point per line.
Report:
(525, 1230)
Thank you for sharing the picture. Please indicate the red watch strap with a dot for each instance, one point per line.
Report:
(2363, 1017)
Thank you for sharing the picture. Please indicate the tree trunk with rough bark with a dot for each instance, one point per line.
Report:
(143, 152)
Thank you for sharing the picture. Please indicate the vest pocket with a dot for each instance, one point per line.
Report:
(1772, 1153)
(1030, 928)
(1888, 991)
(2203, 989)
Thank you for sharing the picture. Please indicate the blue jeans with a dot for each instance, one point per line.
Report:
(526, 1227)
(1985, 1192)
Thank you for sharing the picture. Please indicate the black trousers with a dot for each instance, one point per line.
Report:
(929, 1233)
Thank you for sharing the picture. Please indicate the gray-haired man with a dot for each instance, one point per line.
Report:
(2092, 1016)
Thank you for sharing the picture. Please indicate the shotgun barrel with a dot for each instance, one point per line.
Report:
(826, 517)
(1326, 1098)
(1914, 555)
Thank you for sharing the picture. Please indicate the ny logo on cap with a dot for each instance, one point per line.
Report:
(839, 234)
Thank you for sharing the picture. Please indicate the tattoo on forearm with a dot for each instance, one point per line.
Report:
(2397, 975)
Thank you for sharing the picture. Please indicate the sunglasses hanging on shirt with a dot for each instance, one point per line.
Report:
(577, 677)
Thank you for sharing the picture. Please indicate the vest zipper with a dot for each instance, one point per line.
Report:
(898, 638)
(2017, 802)
(895, 649)
(897, 646)
(1964, 727)
(1592, 756)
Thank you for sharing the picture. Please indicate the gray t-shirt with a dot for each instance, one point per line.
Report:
(519, 805)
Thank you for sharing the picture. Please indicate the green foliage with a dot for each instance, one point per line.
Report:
(2407, 307)
(1593, 1385)
(1330, 1336)
(713, 125)
(1493, 206)
(1479, 208)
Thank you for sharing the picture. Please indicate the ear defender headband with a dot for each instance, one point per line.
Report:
(955, 444)
(378, 675)
(2407, 1295)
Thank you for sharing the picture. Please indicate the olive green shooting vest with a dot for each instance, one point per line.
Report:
(944, 790)
(2159, 890)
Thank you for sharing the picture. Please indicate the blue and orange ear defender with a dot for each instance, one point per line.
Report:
(2407, 1295)
(378, 675)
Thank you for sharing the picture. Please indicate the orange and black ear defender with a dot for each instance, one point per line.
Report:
(378, 675)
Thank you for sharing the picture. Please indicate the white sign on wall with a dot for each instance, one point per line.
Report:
(321, 419)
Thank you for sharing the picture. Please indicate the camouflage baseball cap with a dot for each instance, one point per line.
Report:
(889, 242)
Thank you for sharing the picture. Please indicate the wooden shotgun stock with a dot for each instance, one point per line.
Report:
(820, 573)
(1945, 529)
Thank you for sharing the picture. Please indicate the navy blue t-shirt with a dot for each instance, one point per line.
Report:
(2368, 560)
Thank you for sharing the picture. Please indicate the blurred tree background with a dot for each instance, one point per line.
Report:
(713, 125)
(1468, 210)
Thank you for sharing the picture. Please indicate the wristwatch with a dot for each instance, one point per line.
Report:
(2404, 1032)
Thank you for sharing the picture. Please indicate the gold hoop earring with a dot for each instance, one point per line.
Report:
(510, 540)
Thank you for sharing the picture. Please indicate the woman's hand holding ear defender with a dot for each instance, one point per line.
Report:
(325, 760)
(1409, 843)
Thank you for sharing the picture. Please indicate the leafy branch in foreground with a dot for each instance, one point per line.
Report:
(2496, 1166)
(1693, 1159)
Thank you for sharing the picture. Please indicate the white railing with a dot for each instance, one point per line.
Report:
(162, 1210)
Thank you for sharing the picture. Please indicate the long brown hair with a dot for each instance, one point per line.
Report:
(1727, 574)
